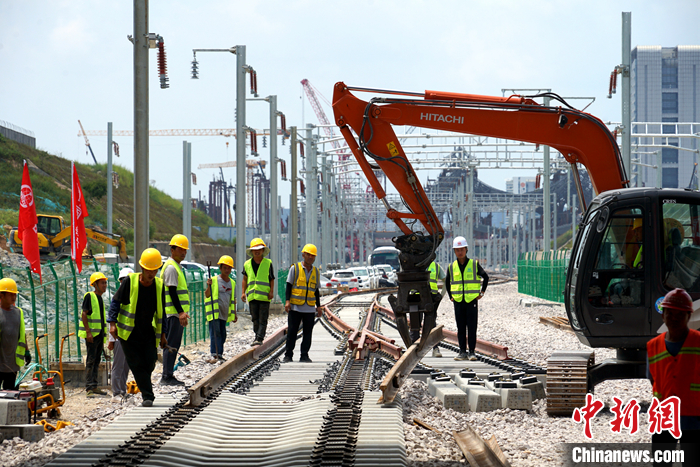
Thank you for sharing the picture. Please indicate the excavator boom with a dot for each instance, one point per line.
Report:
(580, 137)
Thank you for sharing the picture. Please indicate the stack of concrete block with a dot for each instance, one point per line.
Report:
(512, 397)
(14, 421)
(449, 394)
(535, 386)
(481, 399)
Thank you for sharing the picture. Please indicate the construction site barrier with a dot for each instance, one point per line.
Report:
(543, 274)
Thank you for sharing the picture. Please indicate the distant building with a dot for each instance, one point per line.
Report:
(520, 185)
(665, 88)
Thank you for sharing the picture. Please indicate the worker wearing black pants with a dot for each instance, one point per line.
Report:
(466, 317)
(92, 362)
(142, 356)
(174, 337)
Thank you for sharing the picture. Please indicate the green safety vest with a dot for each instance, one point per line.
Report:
(304, 291)
(96, 324)
(258, 286)
(466, 287)
(211, 304)
(21, 342)
(182, 293)
(126, 319)
(434, 268)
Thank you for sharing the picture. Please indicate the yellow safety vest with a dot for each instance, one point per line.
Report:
(303, 290)
(21, 342)
(434, 268)
(96, 323)
(466, 287)
(126, 320)
(211, 304)
(258, 286)
(182, 293)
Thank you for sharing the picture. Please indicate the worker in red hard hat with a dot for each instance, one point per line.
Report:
(674, 370)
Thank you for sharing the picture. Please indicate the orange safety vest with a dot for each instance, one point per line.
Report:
(679, 375)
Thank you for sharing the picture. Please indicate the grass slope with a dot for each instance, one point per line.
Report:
(51, 180)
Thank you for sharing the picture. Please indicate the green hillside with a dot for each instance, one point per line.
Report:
(51, 179)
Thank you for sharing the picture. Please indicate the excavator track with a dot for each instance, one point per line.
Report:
(567, 381)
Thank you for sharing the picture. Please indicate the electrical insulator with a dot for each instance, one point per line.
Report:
(116, 148)
(283, 121)
(264, 141)
(162, 66)
(301, 149)
(195, 68)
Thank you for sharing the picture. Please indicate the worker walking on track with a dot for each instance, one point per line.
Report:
(258, 287)
(13, 344)
(93, 328)
(138, 322)
(120, 369)
(302, 302)
(220, 307)
(674, 370)
(177, 306)
(465, 287)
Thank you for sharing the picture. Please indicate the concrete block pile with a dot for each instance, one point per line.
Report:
(14, 422)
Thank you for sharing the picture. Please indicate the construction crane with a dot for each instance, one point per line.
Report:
(87, 141)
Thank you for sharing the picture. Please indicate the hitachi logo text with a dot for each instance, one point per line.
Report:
(441, 118)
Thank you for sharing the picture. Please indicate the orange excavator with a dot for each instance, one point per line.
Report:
(633, 245)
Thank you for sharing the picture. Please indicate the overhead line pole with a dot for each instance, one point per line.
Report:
(141, 156)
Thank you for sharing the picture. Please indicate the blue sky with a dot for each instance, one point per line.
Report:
(61, 61)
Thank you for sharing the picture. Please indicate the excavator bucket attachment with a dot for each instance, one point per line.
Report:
(415, 298)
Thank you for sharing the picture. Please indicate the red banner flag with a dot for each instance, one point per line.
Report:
(78, 212)
(26, 230)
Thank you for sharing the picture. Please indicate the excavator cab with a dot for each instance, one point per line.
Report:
(632, 247)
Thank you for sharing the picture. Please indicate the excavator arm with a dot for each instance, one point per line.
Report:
(580, 137)
(102, 237)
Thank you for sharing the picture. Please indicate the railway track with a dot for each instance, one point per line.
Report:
(253, 410)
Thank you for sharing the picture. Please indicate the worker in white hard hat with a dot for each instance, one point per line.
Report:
(303, 303)
(93, 328)
(466, 283)
(120, 369)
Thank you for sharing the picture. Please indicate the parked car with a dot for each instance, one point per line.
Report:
(346, 277)
(363, 277)
(389, 271)
(325, 284)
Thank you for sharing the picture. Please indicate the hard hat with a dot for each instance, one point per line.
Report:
(257, 243)
(459, 242)
(226, 259)
(677, 299)
(181, 241)
(125, 272)
(151, 259)
(310, 249)
(8, 285)
(96, 276)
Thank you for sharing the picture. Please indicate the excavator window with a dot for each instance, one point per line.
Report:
(681, 245)
(618, 274)
(48, 225)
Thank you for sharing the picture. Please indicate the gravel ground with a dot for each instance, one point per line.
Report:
(527, 439)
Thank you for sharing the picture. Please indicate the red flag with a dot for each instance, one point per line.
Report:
(26, 230)
(78, 212)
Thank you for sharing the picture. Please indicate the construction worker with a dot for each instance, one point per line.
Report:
(93, 328)
(177, 306)
(258, 286)
(138, 322)
(13, 344)
(219, 296)
(674, 370)
(120, 369)
(436, 272)
(465, 288)
(302, 303)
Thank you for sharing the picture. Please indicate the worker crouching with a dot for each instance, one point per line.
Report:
(302, 302)
(220, 307)
(139, 321)
(258, 287)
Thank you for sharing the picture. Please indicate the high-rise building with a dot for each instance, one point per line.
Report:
(665, 94)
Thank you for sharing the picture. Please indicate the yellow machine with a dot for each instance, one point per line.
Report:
(54, 237)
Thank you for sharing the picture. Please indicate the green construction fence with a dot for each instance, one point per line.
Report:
(543, 274)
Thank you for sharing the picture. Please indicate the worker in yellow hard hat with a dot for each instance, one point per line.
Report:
(137, 322)
(13, 341)
(258, 286)
(220, 307)
(93, 328)
(177, 306)
(302, 303)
